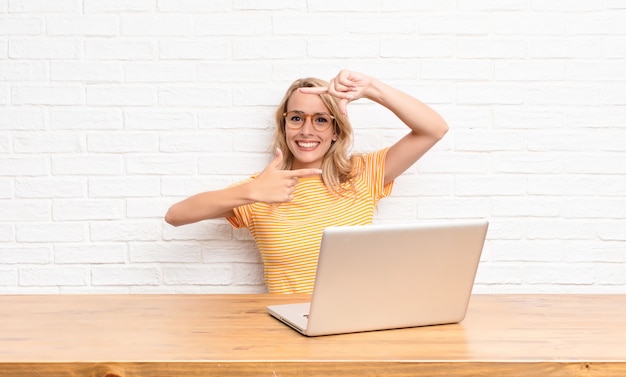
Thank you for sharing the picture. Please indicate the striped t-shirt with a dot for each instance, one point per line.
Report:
(288, 235)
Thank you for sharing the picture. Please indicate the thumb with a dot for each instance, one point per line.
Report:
(278, 158)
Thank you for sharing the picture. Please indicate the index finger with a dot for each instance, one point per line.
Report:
(314, 90)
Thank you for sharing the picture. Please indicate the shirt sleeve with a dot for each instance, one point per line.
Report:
(243, 214)
(374, 168)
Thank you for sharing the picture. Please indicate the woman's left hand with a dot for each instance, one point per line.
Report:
(347, 86)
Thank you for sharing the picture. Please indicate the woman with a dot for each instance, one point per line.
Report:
(312, 183)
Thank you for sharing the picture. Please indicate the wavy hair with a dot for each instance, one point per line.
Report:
(337, 165)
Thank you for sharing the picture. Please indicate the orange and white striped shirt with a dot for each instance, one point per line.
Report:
(288, 235)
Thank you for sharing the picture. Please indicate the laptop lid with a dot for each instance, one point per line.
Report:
(386, 276)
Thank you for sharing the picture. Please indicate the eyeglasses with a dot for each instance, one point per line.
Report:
(295, 120)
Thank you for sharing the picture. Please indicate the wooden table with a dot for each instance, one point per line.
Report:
(232, 335)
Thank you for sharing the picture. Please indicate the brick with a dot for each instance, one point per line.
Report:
(161, 25)
(529, 71)
(159, 72)
(198, 275)
(122, 143)
(477, 23)
(8, 277)
(86, 119)
(196, 49)
(25, 210)
(86, 71)
(160, 164)
(213, 141)
(120, 49)
(22, 71)
(194, 6)
(7, 232)
(562, 185)
(24, 166)
(528, 163)
(48, 142)
(82, 25)
(46, 232)
(482, 47)
(55, 95)
(564, 229)
(544, 24)
(43, 6)
(342, 48)
(124, 276)
(114, 6)
(248, 274)
(611, 229)
(147, 208)
(452, 208)
(49, 187)
(26, 118)
(193, 96)
(181, 252)
(121, 95)
(267, 5)
(490, 185)
(83, 165)
(124, 231)
(25, 255)
(6, 188)
(344, 6)
(558, 273)
(159, 120)
(312, 25)
(247, 71)
(53, 276)
(45, 48)
(86, 210)
(233, 25)
(21, 26)
(427, 47)
(123, 187)
(173, 186)
(89, 253)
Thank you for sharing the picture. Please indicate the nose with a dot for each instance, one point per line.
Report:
(307, 126)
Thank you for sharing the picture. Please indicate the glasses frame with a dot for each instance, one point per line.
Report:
(306, 116)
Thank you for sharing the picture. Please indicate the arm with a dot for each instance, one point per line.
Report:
(271, 186)
(426, 126)
(209, 205)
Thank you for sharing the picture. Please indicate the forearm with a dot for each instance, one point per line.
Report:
(209, 205)
(421, 119)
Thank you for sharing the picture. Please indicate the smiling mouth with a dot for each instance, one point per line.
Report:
(307, 144)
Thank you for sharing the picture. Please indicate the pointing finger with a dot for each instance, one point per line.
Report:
(314, 90)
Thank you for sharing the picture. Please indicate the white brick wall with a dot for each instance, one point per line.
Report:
(112, 110)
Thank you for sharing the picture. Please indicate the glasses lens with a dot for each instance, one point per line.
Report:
(294, 119)
(320, 121)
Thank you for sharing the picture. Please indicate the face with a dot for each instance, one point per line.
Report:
(307, 144)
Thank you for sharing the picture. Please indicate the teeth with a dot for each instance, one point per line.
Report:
(307, 145)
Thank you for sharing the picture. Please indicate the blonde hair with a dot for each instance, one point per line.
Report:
(337, 166)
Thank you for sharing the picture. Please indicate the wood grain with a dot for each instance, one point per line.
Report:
(229, 335)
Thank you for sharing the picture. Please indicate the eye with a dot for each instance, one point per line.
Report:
(296, 118)
(321, 119)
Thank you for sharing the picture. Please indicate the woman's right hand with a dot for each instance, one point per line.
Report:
(274, 185)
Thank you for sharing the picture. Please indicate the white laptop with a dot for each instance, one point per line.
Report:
(387, 276)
